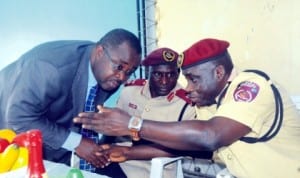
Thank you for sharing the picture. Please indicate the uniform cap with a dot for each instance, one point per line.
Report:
(161, 56)
(203, 51)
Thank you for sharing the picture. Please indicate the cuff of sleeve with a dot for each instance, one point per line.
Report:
(72, 141)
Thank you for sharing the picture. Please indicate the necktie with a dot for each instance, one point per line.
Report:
(89, 107)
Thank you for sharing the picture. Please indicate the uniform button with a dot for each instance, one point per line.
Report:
(147, 109)
(229, 157)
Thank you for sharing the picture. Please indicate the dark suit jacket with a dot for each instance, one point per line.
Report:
(44, 89)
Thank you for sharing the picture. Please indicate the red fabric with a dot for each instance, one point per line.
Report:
(181, 93)
(137, 82)
(203, 51)
(161, 56)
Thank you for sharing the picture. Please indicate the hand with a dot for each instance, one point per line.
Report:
(87, 150)
(113, 121)
(114, 152)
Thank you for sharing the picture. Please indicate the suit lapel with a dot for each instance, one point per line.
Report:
(79, 86)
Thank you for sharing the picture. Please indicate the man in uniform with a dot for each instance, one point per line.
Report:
(255, 128)
(160, 98)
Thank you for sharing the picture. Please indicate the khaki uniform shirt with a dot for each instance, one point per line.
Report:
(278, 157)
(137, 101)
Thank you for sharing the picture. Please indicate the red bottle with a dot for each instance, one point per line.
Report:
(36, 168)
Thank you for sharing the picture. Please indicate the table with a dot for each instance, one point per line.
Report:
(54, 170)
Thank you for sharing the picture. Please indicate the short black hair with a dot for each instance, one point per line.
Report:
(226, 61)
(117, 36)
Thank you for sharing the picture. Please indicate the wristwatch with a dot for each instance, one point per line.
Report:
(134, 126)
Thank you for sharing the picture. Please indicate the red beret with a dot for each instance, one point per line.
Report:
(161, 56)
(203, 51)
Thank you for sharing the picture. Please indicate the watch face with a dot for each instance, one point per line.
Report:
(135, 122)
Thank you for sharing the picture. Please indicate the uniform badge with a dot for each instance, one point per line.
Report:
(133, 106)
(168, 56)
(180, 60)
(246, 91)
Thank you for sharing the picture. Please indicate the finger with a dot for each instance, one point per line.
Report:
(107, 157)
(87, 123)
(97, 161)
(77, 120)
(103, 109)
(102, 165)
(103, 155)
(103, 150)
(100, 161)
(105, 146)
(86, 114)
(108, 163)
(83, 118)
(98, 153)
(104, 161)
(100, 108)
(98, 164)
(88, 126)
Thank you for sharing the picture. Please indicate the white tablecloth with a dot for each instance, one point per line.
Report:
(54, 170)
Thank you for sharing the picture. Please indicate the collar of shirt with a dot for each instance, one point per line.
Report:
(91, 79)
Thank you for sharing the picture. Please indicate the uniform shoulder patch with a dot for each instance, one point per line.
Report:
(137, 82)
(246, 91)
(181, 93)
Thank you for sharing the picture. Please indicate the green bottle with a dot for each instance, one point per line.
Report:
(74, 173)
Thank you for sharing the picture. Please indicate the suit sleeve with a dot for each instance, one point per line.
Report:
(37, 88)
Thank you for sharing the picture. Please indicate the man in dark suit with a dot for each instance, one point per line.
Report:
(47, 86)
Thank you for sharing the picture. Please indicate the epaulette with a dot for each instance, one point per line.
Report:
(137, 82)
(180, 93)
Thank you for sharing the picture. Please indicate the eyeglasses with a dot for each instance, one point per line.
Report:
(118, 67)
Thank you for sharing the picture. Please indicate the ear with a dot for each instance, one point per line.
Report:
(219, 72)
(97, 52)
